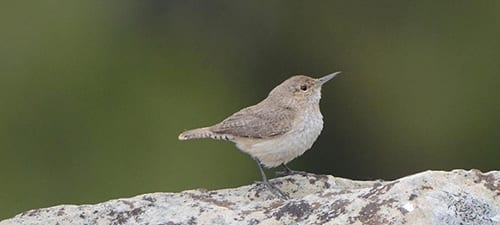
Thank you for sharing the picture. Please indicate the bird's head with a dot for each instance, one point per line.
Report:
(300, 89)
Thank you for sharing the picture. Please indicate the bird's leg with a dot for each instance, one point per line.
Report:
(276, 191)
(288, 171)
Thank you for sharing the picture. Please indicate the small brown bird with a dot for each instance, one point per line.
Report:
(276, 130)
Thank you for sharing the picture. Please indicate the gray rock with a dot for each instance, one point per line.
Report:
(431, 197)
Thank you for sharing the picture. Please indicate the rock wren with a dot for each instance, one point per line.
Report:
(276, 130)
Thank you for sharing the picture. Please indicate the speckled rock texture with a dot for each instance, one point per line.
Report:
(431, 197)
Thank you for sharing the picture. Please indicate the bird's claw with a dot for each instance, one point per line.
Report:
(289, 172)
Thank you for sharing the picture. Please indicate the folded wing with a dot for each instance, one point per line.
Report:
(256, 122)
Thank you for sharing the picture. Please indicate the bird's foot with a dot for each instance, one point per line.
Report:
(288, 171)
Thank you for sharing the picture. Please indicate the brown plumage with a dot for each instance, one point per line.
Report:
(276, 130)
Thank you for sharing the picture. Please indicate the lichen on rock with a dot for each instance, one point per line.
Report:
(431, 197)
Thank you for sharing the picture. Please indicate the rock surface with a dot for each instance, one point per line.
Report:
(431, 197)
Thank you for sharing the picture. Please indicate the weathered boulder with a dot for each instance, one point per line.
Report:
(431, 197)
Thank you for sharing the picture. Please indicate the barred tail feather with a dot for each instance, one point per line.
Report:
(195, 134)
(203, 133)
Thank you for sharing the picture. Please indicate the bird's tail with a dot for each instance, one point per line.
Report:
(196, 133)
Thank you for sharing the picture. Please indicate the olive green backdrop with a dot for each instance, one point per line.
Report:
(94, 93)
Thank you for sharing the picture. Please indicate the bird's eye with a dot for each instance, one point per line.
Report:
(303, 87)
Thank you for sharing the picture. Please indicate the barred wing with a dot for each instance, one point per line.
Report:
(257, 122)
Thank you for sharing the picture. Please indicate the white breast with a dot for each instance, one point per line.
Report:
(278, 150)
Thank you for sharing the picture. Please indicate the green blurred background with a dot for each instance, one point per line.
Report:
(94, 93)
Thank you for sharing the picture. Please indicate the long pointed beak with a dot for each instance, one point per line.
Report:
(328, 77)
